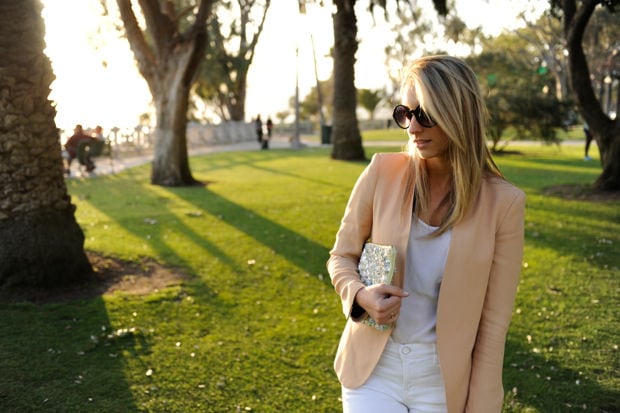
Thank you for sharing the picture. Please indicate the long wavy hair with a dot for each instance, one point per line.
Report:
(448, 90)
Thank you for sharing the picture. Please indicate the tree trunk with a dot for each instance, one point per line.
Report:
(346, 137)
(41, 243)
(168, 59)
(170, 160)
(236, 106)
(606, 132)
(609, 148)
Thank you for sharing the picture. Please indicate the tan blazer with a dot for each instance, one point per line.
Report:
(477, 291)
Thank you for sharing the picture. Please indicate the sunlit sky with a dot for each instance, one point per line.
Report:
(97, 81)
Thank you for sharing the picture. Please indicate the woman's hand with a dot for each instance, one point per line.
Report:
(381, 302)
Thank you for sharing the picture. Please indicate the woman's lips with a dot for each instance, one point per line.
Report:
(421, 143)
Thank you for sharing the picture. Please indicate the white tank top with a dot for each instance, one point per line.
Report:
(426, 262)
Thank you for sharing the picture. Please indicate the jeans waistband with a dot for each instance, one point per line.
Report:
(410, 349)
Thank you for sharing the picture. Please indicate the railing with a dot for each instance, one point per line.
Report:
(140, 139)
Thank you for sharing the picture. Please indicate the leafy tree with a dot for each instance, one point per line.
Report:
(545, 36)
(282, 115)
(412, 28)
(309, 106)
(369, 99)
(41, 243)
(223, 75)
(168, 52)
(517, 93)
(346, 137)
(606, 131)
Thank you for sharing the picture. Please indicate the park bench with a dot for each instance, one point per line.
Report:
(94, 149)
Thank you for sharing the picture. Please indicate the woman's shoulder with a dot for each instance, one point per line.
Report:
(502, 188)
(390, 164)
(390, 159)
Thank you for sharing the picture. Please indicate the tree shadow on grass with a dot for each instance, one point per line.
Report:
(58, 348)
(255, 159)
(289, 244)
(581, 192)
(56, 358)
(535, 381)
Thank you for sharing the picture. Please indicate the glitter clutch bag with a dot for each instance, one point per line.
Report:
(376, 266)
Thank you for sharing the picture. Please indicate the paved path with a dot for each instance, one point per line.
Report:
(118, 163)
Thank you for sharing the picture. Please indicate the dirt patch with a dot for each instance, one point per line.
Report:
(581, 193)
(110, 275)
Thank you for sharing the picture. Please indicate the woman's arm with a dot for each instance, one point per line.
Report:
(355, 229)
(486, 391)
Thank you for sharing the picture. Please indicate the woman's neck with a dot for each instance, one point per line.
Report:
(440, 185)
(439, 174)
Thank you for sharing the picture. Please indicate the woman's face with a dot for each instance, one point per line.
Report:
(429, 142)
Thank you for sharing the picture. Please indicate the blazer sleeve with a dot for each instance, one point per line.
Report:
(486, 391)
(355, 229)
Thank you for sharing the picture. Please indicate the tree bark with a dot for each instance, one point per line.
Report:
(41, 243)
(606, 132)
(168, 61)
(346, 137)
(171, 160)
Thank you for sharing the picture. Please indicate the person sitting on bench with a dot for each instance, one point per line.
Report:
(72, 149)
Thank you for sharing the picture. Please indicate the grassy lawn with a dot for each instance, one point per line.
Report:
(256, 326)
(395, 134)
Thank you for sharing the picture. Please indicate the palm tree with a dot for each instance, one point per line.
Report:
(369, 99)
(346, 137)
(41, 243)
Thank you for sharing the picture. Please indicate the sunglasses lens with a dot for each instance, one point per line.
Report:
(402, 116)
(423, 119)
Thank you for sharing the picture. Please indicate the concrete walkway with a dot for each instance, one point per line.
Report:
(120, 162)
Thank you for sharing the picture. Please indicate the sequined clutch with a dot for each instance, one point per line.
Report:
(376, 266)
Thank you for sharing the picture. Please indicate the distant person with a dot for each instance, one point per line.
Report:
(588, 135)
(71, 147)
(258, 125)
(98, 134)
(457, 226)
(269, 133)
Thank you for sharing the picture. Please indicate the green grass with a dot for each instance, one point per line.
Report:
(395, 134)
(257, 325)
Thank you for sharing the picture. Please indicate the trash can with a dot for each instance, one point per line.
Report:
(326, 134)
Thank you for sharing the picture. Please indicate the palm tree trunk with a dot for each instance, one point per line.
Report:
(41, 243)
(346, 137)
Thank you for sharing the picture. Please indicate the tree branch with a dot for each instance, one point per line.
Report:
(160, 25)
(200, 23)
(142, 52)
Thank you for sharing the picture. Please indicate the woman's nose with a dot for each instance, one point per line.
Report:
(414, 125)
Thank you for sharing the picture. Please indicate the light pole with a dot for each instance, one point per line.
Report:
(295, 142)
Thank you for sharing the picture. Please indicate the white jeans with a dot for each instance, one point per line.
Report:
(406, 379)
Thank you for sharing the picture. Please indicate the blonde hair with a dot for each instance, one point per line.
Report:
(448, 91)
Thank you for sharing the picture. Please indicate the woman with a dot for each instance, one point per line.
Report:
(457, 226)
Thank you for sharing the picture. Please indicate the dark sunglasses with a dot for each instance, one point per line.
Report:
(402, 116)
